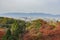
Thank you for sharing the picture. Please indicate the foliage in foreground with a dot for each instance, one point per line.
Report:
(16, 28)
(34, 30)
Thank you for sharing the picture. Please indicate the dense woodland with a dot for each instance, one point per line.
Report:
(39, 29)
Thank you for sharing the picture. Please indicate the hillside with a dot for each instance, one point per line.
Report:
(42, 30)
(12, 28)
(38, 29)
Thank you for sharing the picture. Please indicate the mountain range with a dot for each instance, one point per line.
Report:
(37, 15)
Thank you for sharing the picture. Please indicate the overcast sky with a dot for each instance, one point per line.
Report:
(43, 6)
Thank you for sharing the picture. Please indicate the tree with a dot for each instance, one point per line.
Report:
(7, 35)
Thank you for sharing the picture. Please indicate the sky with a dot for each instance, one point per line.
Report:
(42, 6)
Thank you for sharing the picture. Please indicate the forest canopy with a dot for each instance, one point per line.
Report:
(38, 29)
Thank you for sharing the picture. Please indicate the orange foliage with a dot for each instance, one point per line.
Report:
(2, 32)
(52, 34)
(48, 32)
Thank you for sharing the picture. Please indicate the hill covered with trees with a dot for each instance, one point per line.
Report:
(14, 28)
(38, 29)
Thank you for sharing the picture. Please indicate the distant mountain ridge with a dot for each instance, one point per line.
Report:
(29, 15)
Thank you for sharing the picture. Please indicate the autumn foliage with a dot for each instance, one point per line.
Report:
(47, 31)
(2, 33)
(38, 29)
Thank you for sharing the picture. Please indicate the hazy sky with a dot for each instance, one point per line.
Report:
(44, 6)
